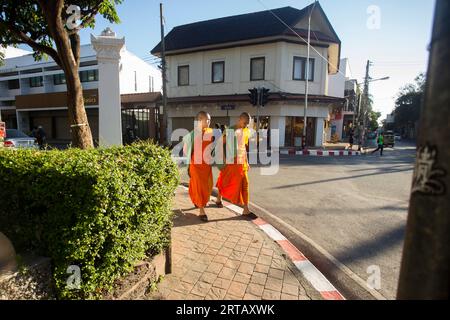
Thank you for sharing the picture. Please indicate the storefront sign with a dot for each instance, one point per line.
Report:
(228, 107)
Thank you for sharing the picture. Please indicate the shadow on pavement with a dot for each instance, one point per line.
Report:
(382, 171)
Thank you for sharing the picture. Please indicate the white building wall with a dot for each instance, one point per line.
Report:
(318, 86)
(278, 70)
(337, 81)
(279, 123)
(135, 75)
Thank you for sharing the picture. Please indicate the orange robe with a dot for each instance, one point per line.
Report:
(233, 181)
(201, 178)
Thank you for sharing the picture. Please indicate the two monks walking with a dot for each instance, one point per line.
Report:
(232, 183)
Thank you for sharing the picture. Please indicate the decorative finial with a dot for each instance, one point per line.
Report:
(108, 33)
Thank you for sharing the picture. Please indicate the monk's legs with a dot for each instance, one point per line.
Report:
(219, 200)
(203, 215)
(245, 194)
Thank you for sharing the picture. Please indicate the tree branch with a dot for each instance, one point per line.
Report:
(33, 44)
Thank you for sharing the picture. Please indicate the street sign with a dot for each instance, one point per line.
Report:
(228, 107)
(2, 130)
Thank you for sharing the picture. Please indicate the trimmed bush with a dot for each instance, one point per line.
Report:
(101, 210)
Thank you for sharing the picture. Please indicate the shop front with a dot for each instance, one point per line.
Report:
(295, 129)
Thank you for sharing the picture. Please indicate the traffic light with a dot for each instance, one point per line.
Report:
(264, 96)
(253, 96)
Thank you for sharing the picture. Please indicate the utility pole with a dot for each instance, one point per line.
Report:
(425, 263)
(163, 132)
(305, 131)
(365, 102)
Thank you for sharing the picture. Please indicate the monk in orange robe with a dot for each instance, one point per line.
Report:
(233, 183)
(196, 146)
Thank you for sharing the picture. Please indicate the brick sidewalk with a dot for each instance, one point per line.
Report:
(227, 258)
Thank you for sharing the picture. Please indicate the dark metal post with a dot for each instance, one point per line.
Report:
(164, 77)
(425, 263)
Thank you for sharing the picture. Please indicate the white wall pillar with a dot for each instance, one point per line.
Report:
(108, 48)
(279, 123)
(320, 123)
(23, 121)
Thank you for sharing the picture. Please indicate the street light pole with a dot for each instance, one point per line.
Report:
(362, 107)
(307, 79)
(163, 133)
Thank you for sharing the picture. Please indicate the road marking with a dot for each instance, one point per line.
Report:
(314, 276)
(272, 232)
(321, 153)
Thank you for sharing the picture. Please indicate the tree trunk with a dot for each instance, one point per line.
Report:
(68, 47)
(79, 126)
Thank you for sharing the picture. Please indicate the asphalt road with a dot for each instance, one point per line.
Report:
(353, 207)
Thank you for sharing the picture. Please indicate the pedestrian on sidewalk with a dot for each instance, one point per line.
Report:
(351, 139)
(380, 142)
(199, 163)
(233, 182)
(41, 137)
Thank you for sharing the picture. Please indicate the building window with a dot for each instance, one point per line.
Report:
(59, 79)
(257, 68)
(299, 69)
(36, 82)
(183, 75)
(89, 75)
(218, 72)
(13, 84)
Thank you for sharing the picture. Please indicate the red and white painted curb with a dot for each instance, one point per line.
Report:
(309, 271)
(320, 153)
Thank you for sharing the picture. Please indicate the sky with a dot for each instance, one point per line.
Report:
(393, 34)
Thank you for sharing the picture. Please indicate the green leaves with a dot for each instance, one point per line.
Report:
(101, 209)
(29, 22)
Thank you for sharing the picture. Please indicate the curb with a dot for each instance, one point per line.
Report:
(308, 270)
(320, 153)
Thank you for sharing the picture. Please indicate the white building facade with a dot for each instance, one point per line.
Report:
(210, 75)
(33, 93)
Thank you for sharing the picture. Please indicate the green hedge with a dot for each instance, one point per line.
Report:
(102, 209)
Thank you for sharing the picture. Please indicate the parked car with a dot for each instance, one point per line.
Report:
(397, 137)
(389, 139)
(17, 139)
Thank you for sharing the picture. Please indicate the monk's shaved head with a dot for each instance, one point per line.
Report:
(245, 115)
(203, 115)
(203, 119)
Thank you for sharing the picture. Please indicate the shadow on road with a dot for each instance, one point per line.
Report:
(381, 171)
(372, 247)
